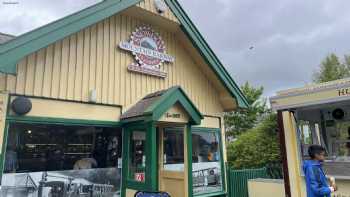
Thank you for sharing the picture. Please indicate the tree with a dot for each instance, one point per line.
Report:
(332, 68)
(257, 147)
(241, 120)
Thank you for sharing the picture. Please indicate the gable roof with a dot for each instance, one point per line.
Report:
(14, 50)
(154, 105)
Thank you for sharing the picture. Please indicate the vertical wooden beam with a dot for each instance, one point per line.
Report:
(4, 98)
(284, 153)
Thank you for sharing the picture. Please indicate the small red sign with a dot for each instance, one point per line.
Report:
(140, 177)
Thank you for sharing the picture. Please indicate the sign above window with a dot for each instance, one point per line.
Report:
(148, 49)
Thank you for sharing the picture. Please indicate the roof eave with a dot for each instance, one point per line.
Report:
(14, 50)
(207, 53)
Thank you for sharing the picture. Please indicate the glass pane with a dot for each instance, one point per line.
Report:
(173, 150)
(56, 160)
(137, 159)
(206, 167)
(341, 142)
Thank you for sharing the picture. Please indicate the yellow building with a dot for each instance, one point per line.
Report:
(315, 114)
(120, 97)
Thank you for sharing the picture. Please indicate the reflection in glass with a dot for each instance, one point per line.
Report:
(206, 167)
(137, 160)
(173, 150)
(55, 160)
(318, 125)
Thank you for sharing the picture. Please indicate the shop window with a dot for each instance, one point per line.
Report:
(52, 160)
(137, 159)
(309, 134)
(207, 162)
(173, 150)
(328, 126)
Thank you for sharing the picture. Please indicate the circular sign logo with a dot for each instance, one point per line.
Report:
(145, 37)
(149, 51)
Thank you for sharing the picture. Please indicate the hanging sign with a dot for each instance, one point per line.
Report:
(148, 49)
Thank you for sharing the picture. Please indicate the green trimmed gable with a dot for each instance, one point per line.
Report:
(13, 51)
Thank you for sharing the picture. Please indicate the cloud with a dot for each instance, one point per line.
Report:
(26, 15)
(290, 37)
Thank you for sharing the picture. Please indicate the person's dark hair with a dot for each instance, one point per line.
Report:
(315, 149)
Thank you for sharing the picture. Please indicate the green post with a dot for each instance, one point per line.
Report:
(189, 159)
(152, 158)
(125, 161)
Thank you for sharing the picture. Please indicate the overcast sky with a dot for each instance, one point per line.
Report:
(272, 43)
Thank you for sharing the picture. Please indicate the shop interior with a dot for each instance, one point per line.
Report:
(77, 159)
(327, 125)
(206, 158)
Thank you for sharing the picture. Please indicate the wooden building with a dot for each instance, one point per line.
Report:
(123, 96)
(315, 114)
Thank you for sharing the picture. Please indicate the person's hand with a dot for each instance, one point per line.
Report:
(335, 187)
(332, 189)
(332, 183)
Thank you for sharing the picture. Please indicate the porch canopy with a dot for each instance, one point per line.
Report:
(172, 107)
(154, 106)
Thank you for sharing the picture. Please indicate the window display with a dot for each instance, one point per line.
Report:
(328, 127)
(55, 160)
(336, 139)
(173, 150)
(206, 158)
(137, 160)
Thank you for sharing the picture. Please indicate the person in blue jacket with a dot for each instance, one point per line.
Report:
(316, 180)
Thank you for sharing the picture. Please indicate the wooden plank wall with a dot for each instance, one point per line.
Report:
(90, 59)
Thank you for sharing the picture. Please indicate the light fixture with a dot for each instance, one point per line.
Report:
(160, 6)
(93, 96)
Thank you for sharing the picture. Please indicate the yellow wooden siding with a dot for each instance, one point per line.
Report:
(89, 59)
(150, 6)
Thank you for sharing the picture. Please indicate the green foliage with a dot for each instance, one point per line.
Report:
(332, 68)
(257, 147)
(241, 120)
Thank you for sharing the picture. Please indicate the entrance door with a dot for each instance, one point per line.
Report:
(172, 161)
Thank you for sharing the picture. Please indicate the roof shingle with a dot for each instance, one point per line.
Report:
(140, 107)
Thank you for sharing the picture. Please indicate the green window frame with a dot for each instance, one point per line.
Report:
(50, 121)
(217, 131)
(151, 167)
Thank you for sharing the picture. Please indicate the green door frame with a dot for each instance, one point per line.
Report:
(151, 171)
